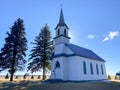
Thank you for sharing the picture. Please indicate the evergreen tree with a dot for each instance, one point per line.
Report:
(42, 51)
(39, 77)
(32, 77)
(2, 63)
(24, 76)
(16, 77)
(109, 77)
(115, 77)
(14, 49)
(7, 76)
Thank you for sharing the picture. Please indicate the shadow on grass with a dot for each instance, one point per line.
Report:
(38, 85)
(22, 85)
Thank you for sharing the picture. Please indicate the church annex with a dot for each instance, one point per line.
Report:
(71, 62)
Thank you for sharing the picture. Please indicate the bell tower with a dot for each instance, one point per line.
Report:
(61, 31)
(59, 61)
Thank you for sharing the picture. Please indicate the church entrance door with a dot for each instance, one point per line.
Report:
(57, 71)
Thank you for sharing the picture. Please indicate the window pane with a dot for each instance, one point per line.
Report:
(58, 32)
(91, 68)
(65, 32)
(102, 69)
(97, 69)
(84, 68)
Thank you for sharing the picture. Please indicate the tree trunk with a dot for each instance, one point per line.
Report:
(12, 72)
(44, 71)
(11, 77)
(13, 65)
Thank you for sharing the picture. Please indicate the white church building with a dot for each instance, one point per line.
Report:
(71, 62)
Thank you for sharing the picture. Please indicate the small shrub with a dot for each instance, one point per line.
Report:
(32, 77)
(7, 76)
(109, 77)
(24, 76)
(116, 78)
(16, 77)
(39, 77)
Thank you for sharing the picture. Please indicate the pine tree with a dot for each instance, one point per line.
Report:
(14, 49)
(7, 76)
(16, 77)
(24, 76)
(39, 77)
(2, 63)
(32, 77)
(115, 77)
(109, 77)
(42, 51)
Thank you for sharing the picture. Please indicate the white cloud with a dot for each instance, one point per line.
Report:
(111, 36)
(86, 45)
(90, 36)
(106, 39)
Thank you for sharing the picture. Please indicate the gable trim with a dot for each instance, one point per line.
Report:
(66, 55)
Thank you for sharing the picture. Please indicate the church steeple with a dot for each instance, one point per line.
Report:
(61, 30)
(61, 20)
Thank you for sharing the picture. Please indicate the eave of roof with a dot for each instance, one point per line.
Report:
(70, 55)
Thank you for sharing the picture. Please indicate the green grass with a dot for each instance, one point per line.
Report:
(37, 85)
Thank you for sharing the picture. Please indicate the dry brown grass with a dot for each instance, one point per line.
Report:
(36, 84)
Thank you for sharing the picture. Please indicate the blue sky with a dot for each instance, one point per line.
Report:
(94, 24)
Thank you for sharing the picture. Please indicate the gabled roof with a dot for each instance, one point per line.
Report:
(84, 52)
(118, 73)
(79, 51)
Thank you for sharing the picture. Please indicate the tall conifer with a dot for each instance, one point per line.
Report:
(14, 49)
(41, 52)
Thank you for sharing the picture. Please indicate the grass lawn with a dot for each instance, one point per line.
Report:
(38, 85)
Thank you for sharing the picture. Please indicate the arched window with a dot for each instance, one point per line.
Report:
(102, 69)
(65, 32)
(91, 68)
(97, 69)
(57, 65)
(84, 67)
(58, 32)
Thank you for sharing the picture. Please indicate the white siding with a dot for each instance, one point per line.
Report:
(71, 68)
(76, 69)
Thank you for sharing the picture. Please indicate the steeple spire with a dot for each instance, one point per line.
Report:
(61, 20)
(61, 31)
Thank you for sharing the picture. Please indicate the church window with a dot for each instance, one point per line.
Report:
(91, 68)
(97, 69)
(58, 32)
(102, 69)
(84, 67)
(65, 32)
(57, 65)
